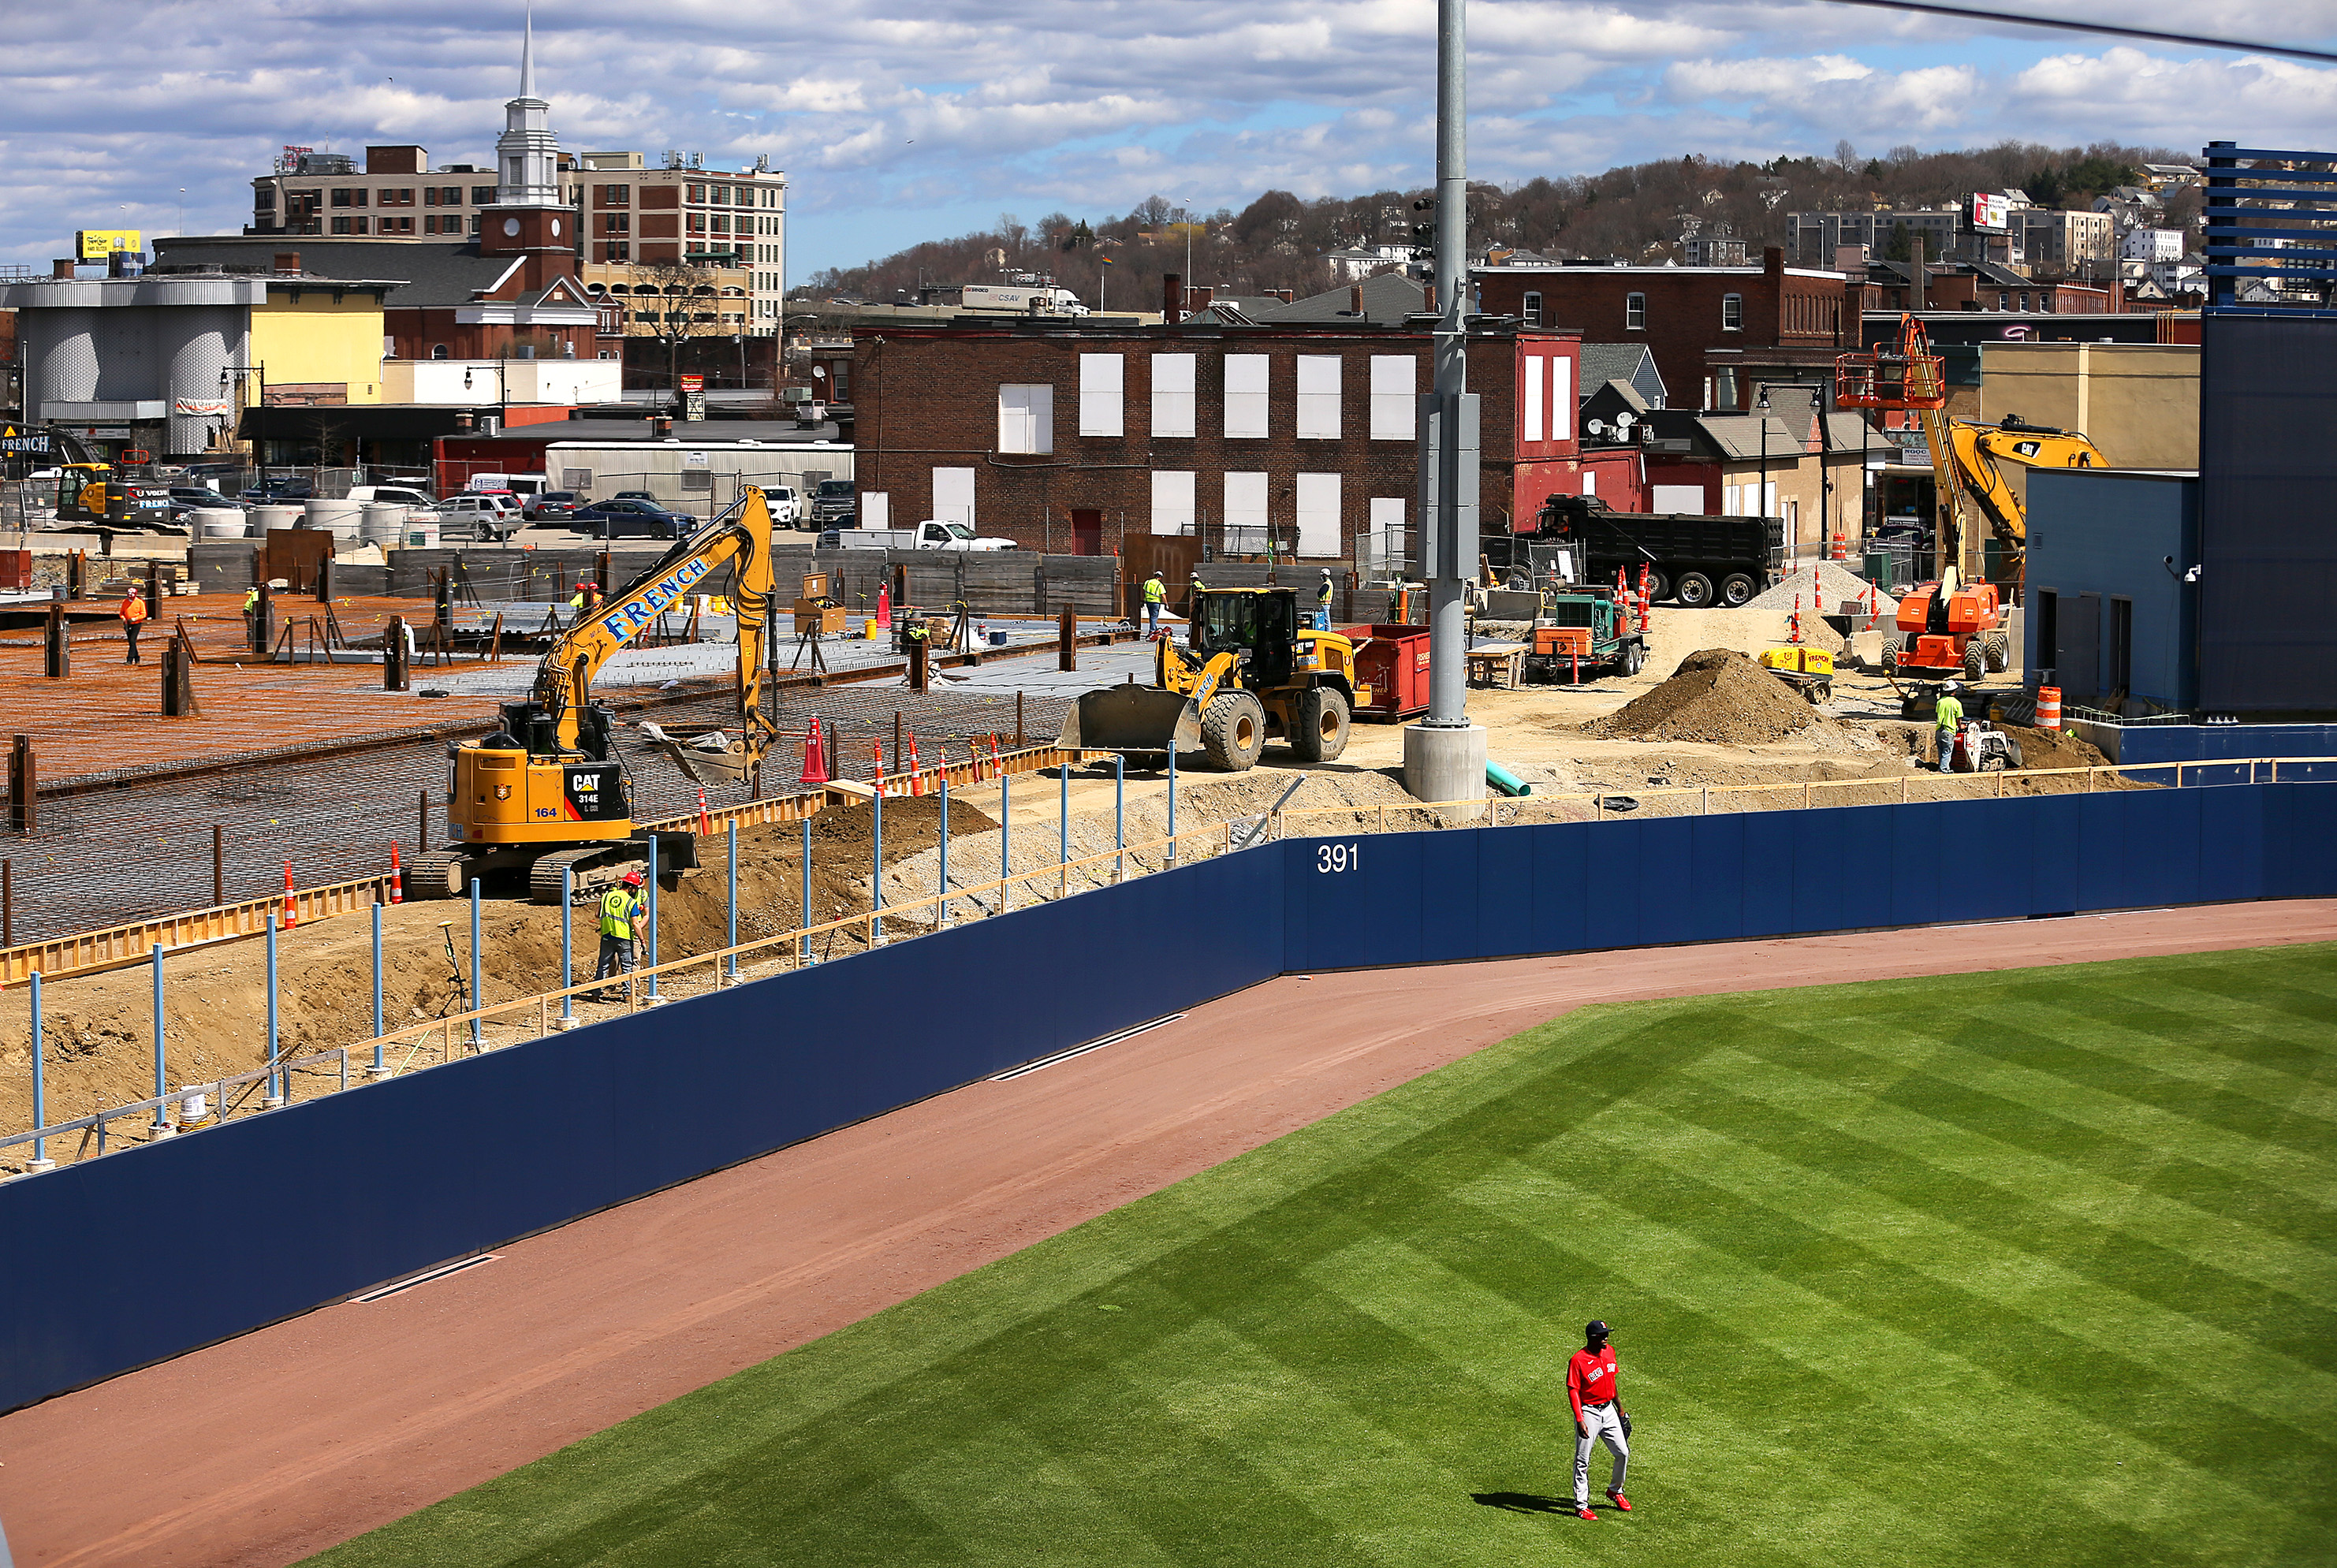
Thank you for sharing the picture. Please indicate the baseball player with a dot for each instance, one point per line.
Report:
(1598, 1417)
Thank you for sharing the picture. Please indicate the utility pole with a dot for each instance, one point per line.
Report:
(1444, 754)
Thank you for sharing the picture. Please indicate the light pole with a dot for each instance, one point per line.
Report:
(1185, 303)
(233, 374)
(1761, 505)
(1444, 754)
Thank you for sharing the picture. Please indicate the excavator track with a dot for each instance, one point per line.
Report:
(437, 874)
(597, 868)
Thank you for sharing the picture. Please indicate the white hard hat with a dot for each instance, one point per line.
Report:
(1949, 687)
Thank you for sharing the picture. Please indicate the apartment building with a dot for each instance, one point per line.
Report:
(2064, 244)
(1074, 436)
(682, 214)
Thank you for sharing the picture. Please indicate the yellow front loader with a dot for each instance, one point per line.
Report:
(1250, 674)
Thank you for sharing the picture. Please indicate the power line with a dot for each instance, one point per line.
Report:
(2317, 56)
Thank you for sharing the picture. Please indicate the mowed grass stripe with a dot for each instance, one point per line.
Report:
(1288, 1377)
(1830, 1360)
(2218, 1368)
(2124, 1235)
(2192, 1048)
(1778, 1483)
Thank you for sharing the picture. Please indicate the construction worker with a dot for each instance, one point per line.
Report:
(134, 617)
(1948, 716)
(1156, 594)
(586, 599)
(1323, 591)
(620, 917)
(1598, 1417)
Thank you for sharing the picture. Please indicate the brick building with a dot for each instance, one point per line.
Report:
(1716, 333)
(1070, 435)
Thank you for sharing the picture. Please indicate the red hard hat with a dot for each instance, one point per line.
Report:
(632, 878)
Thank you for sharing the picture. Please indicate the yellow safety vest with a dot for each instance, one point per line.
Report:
(619, 907)
(1949, 713)
(1322, 593)
(1155, 591)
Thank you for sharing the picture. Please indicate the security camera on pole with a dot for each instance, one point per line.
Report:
(1444, 754)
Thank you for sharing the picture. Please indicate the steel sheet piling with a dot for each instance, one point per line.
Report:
(161, 1129)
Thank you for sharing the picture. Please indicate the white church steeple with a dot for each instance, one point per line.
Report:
(527, 154)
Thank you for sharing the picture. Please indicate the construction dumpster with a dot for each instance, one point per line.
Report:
(1393, 660)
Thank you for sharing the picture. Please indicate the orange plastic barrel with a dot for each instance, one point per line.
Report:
(2048, 707)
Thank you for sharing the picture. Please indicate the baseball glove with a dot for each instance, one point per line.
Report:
(1626, 1425)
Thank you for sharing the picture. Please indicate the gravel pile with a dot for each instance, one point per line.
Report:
(1832, 584)
(1716, 695)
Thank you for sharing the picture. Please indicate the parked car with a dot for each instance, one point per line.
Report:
(637, 495)
(489, 514)
(551, 503)
(930, 534)
(284, 487)
(393, 494)
(621, 517)
(835, 504)
(786, 506)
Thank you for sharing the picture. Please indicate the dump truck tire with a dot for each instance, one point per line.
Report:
(1694, 590)
(1233, 732)
(1736, 590)
(1321, 732)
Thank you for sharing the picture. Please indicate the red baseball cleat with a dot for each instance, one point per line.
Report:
(1618, 1499)
(1584, 1511)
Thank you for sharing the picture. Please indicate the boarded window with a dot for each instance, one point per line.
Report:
(1318, 396)
(1026, 420)
(1172, 503)
(1172, 395)
(1245, 406)
(1561, 398)
(1100, 399)
(1394, 397)
(1245, 513)
(954, 495)
(1536, 426)
(1318, 517)
(876, 506)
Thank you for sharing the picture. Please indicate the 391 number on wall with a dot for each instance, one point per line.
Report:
(1329, 859)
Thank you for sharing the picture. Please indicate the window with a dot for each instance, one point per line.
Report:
(475, 223)
(1635, 313)
(616, 223)
(430, 196)
(1245, 384)
(1534, 427)
(1561, 398)
(616, 195)
(401, 197)
(340, 196)
(839, 379)
(1026, 420)
(1100, 398)
(1245, 513)
(1530, 312)
(1732, 313)
(437, 351)
(482, 196)
(429, 223)
(263, 200)
(1318, 516)
(1172, 503)
(1394, 397)
(697, 193)
(2119, 675)
(450, 196)
(1318, 396)
(954, 495)
(1172, 395)
(340, 226)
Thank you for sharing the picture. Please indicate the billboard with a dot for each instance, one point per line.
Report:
(1992, 212)
(97, 244)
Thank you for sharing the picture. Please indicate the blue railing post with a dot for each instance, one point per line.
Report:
(1063, 829)
(567, 946)
(161, 1129)
(1005, 848)
(379, 1070)
(876, 883)
(1119, 816)
(944, 921)
(41, 1161)
(478, 993)
(1172, 806)
(730, 964)
(273, 1098)
(653, 998)
(806, 912)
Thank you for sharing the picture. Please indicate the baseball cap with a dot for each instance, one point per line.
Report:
(1594, 1330)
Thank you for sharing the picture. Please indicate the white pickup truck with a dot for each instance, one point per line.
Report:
(927, 535)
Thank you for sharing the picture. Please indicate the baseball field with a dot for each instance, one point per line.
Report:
(2037, 1266)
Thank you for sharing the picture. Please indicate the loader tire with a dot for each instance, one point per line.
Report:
(1233, 732)
(1999, 655)
(1975, 660)
(1321, 733)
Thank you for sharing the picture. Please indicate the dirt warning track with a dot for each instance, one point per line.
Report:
(274, 1446)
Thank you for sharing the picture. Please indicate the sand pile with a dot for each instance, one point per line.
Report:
(1716, 695)
(1831, 584)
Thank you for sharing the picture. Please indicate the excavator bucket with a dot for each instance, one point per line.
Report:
(1132, 717)
(714, 756)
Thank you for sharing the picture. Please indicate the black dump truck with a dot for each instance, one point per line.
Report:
(1694, 561)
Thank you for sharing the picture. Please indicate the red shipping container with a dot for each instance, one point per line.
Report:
(15, 570)
(1394, 663)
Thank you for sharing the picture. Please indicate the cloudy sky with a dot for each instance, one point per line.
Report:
(903, 119)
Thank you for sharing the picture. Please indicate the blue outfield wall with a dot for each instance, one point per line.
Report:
(328, 1197)
(2139, 744)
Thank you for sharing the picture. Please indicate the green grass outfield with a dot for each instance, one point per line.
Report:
(2033, 1268)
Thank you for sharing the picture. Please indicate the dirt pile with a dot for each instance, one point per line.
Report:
(2050, 748)
(1715, 695)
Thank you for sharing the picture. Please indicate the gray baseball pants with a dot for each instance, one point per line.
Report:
(1600, 1423)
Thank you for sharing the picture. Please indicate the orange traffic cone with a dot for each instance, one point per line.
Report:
(396, 884)
(1841, 548)
(705, 822)
(292, 908)
(815, 762)
(878, 747)
(885, 607)
(917, 778)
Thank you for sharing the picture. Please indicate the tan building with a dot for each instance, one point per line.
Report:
(642, 300)
(395, 195)
(2138, 402)
(682, 214)
(2066, 244)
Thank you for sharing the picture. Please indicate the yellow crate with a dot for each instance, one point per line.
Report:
(1807, 660)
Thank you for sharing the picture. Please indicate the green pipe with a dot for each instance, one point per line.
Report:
(1503, 780)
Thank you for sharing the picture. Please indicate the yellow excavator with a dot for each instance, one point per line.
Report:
(1979, 451)
(545, 791)
(1249, 674)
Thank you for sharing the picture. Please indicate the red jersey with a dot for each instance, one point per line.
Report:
(1590, 1377)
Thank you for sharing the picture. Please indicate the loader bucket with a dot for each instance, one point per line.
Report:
(1132, 717)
